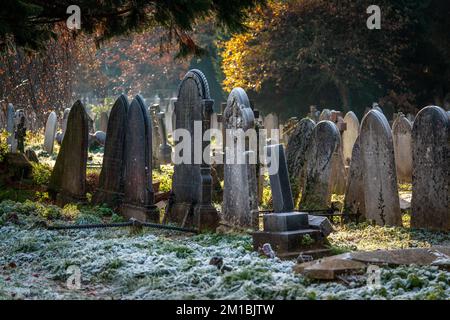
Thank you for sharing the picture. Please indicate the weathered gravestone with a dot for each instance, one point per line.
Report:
(192, 182)
(380, 178)
(322, 152)
(430, 206)
(50, 132)
(138, 189)
(111, 180)
(165, 150)
(354, 203)
(271, 123)
(11, 127)
(103, 122)
(349, 136)
(170, 116)
(156, 138)
(68, 179)
(60, 135)
(401, 131)
(240, 195)
(296, 151)
(20, 132)
(325, 115)
(286, 229)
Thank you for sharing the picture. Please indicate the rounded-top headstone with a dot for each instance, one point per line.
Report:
(50, 132)
(431, 170)
(349, 135)
(401, 130)
(325, 115)
(379, 173)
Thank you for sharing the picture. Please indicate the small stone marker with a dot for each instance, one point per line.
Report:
(430, 206)
(192, 182)
(349, 136)
(50, 132)
(296, 151)
(138, 190)
(401, 131)
(240, 196)
(68, 179)
(380, 178)
(111, 180)
(322, 152)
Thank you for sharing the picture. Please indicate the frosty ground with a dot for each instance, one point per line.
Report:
(121, 264)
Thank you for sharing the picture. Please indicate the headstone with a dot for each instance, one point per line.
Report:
(165, 150)
(240, 197)
(31, 155)
(430, 206)
(296, 152)
(50, 132)
(322, 152)
(349, 136)
(325, 115)
(380, 178)
(170, 116)
(156, 138)
(100, 137)
(111, 181)
(64, 121)
(20, 133)
(192, 182)
(271, 123)
(401, 131)
(138, 189)
(354, 202)
(103, 122)
(11, 127)
(68, 179)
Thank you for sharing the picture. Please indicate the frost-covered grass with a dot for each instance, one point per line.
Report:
(118, 264)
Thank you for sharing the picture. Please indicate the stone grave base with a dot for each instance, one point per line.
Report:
(143, 214)
(201, 217)
(290, 234)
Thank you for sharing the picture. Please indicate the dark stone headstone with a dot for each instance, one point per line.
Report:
(138, 190)
(68, 179)
(430, 205)
(192, 182)
(111, 183)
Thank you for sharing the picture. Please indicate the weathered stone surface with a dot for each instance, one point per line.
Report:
(11, 127)
(279, 179)
(271, 123)
(325, 115)
(20, 132)
(31, 155)
(111, 180)
(139, 199)
(156, 138)
(285, 221)
(100, 137)
(296, 152)
(64, 123)
(50, 132)
(323, 150)
(354, 202)
(240, 197)
(401, 131)
(320, 223)
(165, 150)
(379, 174)
(431, 170)
(68, 179)
(192, 183)
(329, 268)
(103, 122)
(338, 172)
(349, 136)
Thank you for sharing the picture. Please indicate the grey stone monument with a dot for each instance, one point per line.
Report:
(401, 131)
(191, 204)
(380, 178)
(430, 206)
(323, 150)
(349, 136)
(111, 181)
(50, 132)
(296, 151)
(240, 195)
(325, 115)
(68, 179)
(138, 189)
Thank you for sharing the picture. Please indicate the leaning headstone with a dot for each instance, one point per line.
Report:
(349, 136)
(103, 122)
(138, 190)
(380, 178)
(111, 180)
(430, 206)
(401, 131)
(296, 152)
(11, 126)
(68, 179)
(322, 152)
(191, 203)
(354, 202)
(50, 132)
(240, 196)
(284, 229)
